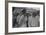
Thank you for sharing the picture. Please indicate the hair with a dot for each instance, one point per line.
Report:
(24, 11)
(34, 14)
(38, 12)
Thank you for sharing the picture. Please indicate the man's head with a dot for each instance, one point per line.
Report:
(24, 11)
(38, 12)
(34, 14)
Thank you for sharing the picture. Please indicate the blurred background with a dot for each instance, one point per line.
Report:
(2, 17)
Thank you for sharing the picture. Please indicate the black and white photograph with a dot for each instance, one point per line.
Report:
(25, 17)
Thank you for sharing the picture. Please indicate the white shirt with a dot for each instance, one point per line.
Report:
(33, 21)
(22, 20)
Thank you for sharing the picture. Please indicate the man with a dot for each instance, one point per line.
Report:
(33, 20)
(21, 18)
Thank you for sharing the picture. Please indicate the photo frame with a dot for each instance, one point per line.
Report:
(28, 24)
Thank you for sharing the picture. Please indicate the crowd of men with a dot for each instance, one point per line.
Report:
(24, 19)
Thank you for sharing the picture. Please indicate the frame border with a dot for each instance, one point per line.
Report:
(6, 16)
